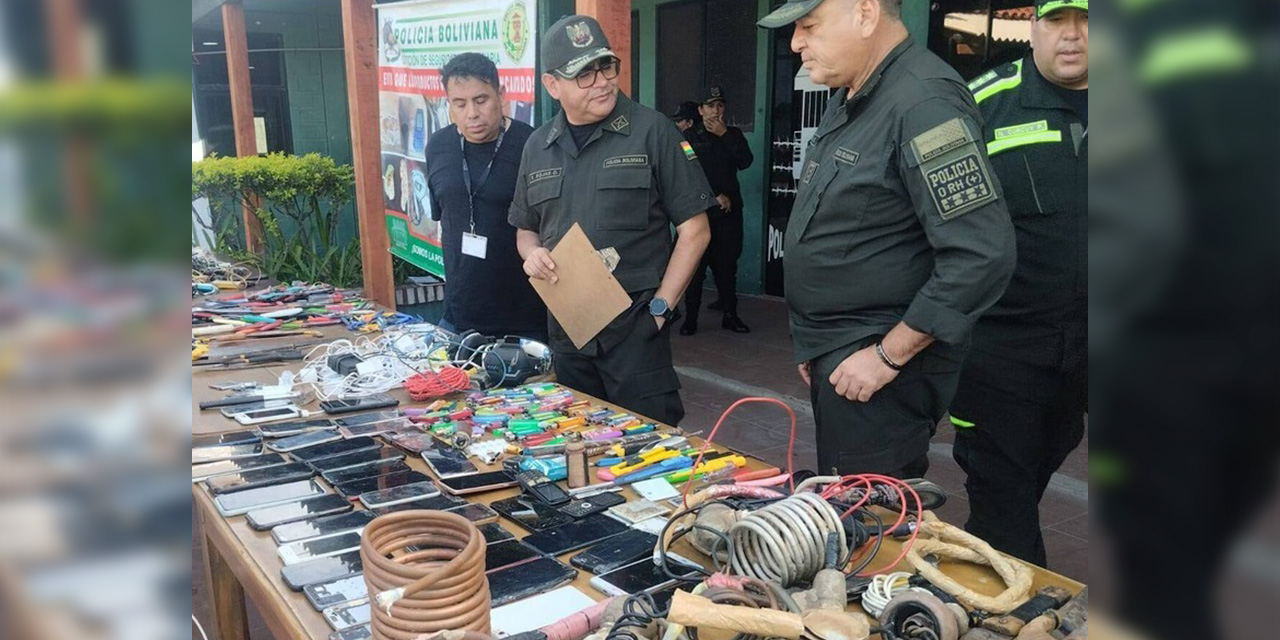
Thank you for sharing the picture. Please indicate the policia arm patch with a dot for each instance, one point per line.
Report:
(953, 169)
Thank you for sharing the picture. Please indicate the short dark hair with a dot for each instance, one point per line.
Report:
(892, 8)
(471, 65)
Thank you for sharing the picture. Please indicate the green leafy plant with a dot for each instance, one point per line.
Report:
(297, 200)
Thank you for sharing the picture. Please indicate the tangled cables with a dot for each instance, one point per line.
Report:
(440, 587)
(785, 541)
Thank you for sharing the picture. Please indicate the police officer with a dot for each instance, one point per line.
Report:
(898, 240)
(1023, 394)
(624, 173)
(723, 152)
(685, 116)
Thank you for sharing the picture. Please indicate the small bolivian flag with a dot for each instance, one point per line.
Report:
(688, 149)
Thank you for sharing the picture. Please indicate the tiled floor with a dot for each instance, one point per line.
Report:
(718, 367)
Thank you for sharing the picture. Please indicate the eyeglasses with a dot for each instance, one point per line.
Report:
(587, 77)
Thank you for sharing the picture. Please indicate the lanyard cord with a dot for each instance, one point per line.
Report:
(484, 177)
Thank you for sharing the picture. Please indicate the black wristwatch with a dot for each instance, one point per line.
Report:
(659, 307)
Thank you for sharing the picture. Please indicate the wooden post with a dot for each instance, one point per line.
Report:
(360, 44)
(237, 44)
(227, 594)
(614, 17)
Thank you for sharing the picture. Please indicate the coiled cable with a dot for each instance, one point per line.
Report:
(439, 587)
(785, 542)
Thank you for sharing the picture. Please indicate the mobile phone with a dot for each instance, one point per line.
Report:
(376, 401)
(530, 514)
(297, 576)
(232, 437)
(303, 440)
(397, 495)
(230, 411)
(411, 441)
(575, 535)
(319, 527)
(477, 482)
(644, 575)
(255, 478)
(528, 579)
(268, 415)
(447, 462)
(583, 507)
(618, 551)
(352, 490)
(304, 550)
(240, 502)
(344, 616)
(476, 512)
(504, 554)
(225, 452)
(295, 427)
(211, 469)
(373, 428)
(381, 468)
(369, 418)
(493, 532)
(358, 632)
(335, 446)
(344, 589)
(358, 458)
(440, 502)
(313, 507)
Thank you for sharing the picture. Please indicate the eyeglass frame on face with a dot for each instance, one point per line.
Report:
(614, 63)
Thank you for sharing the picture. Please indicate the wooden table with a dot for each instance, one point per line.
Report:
(242, 562)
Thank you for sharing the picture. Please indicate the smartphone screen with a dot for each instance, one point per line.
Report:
(303, 440)
(351, 490)
(503, 554)
(476, 512)
(372, 429)
(380, 468)
(618, 551)
(361, 458)
(377, 401)
(644, 575)
(327, 525)
(530, 515)
(231, 504)
(369, 418)
(225, 452)
(267, 517)
(210, 469)
(527, 579)
(478, 482)
(345, 589)
(439, 502)
(294, 427)
(411, 441)
(575, 535)
(263, 415)
(493, 532)
(259, 477)
(320, 547)
(395, 495)
(231, 411)
(297, 576)
(234, 437)
(337, 448)
(446, 462)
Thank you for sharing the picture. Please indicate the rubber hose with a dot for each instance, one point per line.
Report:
(440, 587)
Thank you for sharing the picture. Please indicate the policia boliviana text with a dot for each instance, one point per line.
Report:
(1020, 407)
(898, 240)
(625, 174)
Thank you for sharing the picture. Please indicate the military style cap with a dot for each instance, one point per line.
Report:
(790, 12)
(571, 44)
(686, 111)
(710, 94)
(1046, 7)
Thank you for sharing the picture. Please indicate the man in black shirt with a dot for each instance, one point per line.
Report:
(471, 173)
(1019, 410)
(723, 152)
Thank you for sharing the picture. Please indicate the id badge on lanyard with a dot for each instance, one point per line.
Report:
(474, 245)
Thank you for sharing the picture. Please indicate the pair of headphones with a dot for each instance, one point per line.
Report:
(507, 362)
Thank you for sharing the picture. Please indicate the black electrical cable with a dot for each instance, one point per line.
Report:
(638, 612)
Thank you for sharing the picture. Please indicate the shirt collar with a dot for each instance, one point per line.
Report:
(842, 96)
(618, 121)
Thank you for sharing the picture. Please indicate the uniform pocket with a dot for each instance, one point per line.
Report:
(544, 190)
(624, 198)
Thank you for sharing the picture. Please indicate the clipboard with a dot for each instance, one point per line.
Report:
(585, 297)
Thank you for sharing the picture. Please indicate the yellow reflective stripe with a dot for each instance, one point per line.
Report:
(997, 146)
(1000, 85)
(1213, 49)
(963, 424)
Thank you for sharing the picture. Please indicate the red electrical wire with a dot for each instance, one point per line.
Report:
(430, 384)
(711, 436)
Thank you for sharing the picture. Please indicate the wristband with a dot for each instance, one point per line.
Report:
(884, 357)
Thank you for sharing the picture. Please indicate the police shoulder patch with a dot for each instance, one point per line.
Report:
(953, 168)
